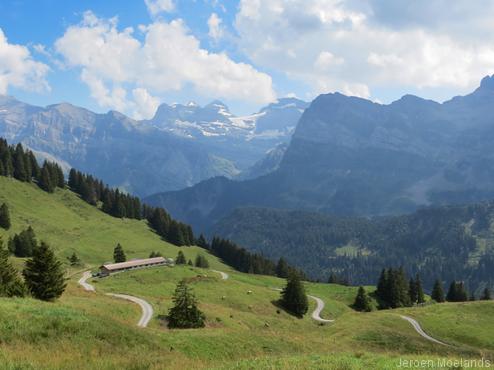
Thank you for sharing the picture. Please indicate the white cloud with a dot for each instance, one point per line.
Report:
(156, 7)
(146, 104)
(215, 28)
(344, 45)
(18, 69)
(113, 62)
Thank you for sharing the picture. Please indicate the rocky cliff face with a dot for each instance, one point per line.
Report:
(179, 147)
(350, 156)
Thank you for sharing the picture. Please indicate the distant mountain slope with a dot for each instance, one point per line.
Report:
(350, 156)
(179, 147)
(449, 242)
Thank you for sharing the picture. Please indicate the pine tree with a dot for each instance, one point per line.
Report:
(45, 181)
(20, 172)
(23, 244)
(201, 261)
(413, 291)
(190, 263)
(383, 289)
(420, 290)
(362, 301)
(180, 260)
(457, 292)
(4, 217)
(486, 295)
(175, 235)
(293, 297)
(74, 260)
(282, 268)
(185, 314)
(119, 254)
(438, 292)
(10, 283)
(202, 242)
(44, 275)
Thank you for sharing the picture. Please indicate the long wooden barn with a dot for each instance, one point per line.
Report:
(111, 268)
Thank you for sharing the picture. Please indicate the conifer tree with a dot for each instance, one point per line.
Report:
(20, 171)
(201, 261)
(293, 297)
(180, 260)
(4, 217)
(74, 260)
(44, 275)
(45, 181)
(438, 292)
(190, 263)
(175, 235)
(23, 244)
(185, 314)
(486, 295)
(457, 292)
(282, 268)
(420, 290)
(10, 283)
(362, 301)
(202, 242)
(413, 291)
(119, 254)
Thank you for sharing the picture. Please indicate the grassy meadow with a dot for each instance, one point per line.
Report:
(86, 330)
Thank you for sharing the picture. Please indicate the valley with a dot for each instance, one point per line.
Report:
(83, 323)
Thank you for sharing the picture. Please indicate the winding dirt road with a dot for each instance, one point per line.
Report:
(316, 314)
(82, 282)
(421, 331)
(224, 275)
(147, 309)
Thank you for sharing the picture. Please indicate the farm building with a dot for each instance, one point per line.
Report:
(111, 268)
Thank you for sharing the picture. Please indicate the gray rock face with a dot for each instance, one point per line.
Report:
(350, 156)
(181, 146)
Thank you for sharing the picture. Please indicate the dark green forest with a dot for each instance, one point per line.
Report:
(447, 243)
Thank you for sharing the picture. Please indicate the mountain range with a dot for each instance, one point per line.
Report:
(180, 146)
(354, 157)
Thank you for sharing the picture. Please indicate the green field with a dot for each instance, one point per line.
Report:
(85, 330)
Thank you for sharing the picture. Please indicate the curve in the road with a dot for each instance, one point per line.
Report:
(147, 309)
(224, 275)
(83, 281)
(316, 314)
(421, 331)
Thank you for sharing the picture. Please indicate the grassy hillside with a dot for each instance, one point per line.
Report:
(85, 330)
(71, 225)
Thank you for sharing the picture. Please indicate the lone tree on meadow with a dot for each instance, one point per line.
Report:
(74, 260)
(362, 301)
(4, 216)
(438, 292)
(201, 261)
(119, 254)
(180, 260)
(10, 283)
(293, 297)
(185, 314)
(44, 275)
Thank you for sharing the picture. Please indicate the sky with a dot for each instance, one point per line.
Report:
(133, 55)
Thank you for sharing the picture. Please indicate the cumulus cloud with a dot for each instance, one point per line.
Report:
(349, 46)
(215, 27)
(19, 69)
(156, 7)
(125, 73)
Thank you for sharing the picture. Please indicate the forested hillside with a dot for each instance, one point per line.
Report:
(454, 242)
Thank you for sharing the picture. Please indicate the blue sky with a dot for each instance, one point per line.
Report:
(133, 55)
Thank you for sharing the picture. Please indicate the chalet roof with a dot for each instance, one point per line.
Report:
(134, 263)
